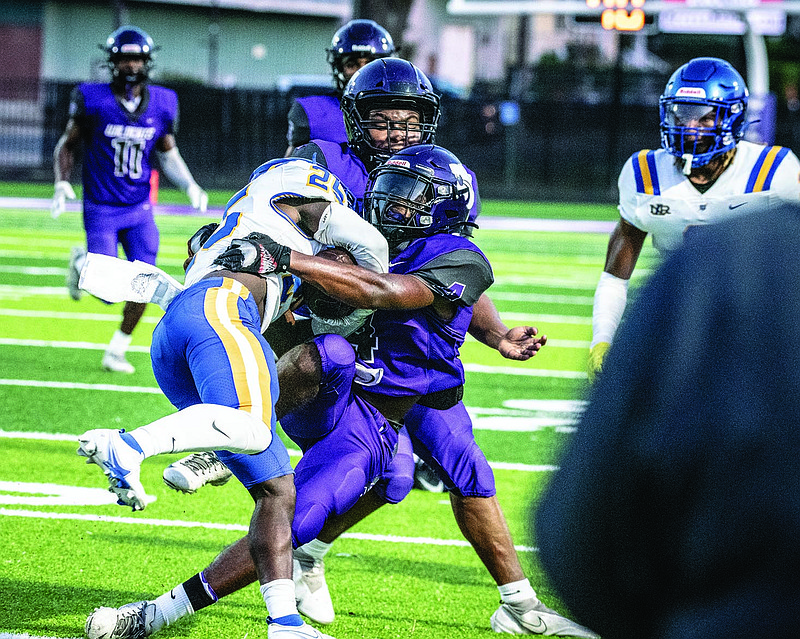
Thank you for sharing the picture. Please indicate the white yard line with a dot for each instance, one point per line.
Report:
(176, 523)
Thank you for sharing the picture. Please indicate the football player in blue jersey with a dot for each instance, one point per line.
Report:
(120, 127)
(318, 116)
(213, 363)
(703, 173)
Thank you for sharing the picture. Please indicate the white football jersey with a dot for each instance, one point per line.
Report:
(656, 197)
(253, 209)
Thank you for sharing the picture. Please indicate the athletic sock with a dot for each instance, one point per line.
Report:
(184, 599)
(119, 343)
(518, 594)
(315, 549)
(279, 598)
(204, 427)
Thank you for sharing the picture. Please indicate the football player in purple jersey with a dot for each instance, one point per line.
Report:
(407, 356)
(120, 126)
(319, 116)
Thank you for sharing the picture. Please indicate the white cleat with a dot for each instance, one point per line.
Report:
(126, 622)
(191, 473)
(116, 363)
(120, 462)
(278, 631)
(310, 588)
(76, 258)
(540, 620)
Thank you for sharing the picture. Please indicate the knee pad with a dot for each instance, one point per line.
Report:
(335, 352)
(398, 480)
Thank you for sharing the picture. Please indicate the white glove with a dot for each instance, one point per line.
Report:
(62, 193)
(198, 197)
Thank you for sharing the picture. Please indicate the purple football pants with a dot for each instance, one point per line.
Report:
(347, 444)
(444, 439)
(131, 226)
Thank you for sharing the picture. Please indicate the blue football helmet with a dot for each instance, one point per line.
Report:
(360, 39)
(703, 110)
(389, 83)
(420, 191)
(131, 42)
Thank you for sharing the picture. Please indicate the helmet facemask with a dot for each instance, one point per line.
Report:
(701, 130)
(404, 205)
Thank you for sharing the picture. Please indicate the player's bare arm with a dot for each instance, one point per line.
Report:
(624, 247)
(519, 343)
(166, 143)
(360, 287)
(65, 151)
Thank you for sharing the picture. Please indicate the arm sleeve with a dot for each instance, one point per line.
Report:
(299, 131)
(176, 118)
(460, 276)
(341, 226)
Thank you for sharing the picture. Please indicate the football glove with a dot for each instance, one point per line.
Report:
(199, 238)
(596, 356)
(198, 197)
(63, 192)
(257, 253)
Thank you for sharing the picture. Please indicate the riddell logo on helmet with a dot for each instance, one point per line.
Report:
(403, 163)
(691, 92)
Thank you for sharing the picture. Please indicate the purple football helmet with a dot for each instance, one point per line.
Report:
(390, 83)
(360, 39)
(420, 191)
(132, 42)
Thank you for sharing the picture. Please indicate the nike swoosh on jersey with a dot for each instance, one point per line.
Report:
(736, 206)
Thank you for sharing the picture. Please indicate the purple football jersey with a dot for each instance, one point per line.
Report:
(417, 349)
(316, 117)
(118, 143)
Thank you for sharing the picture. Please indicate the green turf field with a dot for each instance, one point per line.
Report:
(404, 572)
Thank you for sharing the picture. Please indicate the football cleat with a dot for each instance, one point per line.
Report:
(279, 631)
(189, 474)
(425, 478)
(127, 622)
(310, 588)
(76, 257)
(116, 363)
(120, 458)
(540, 620)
